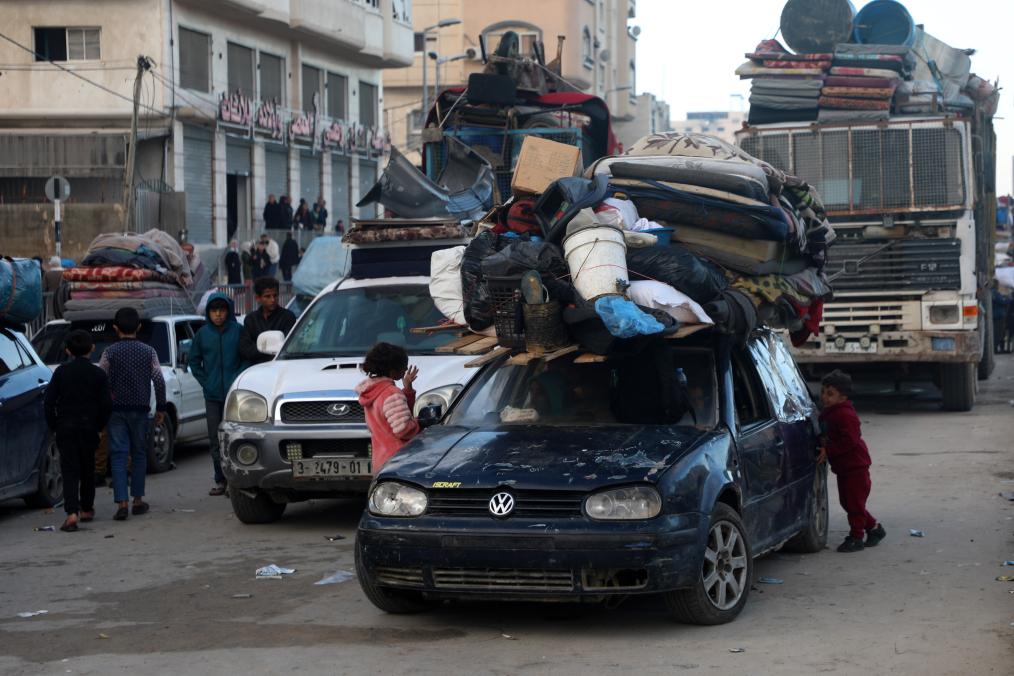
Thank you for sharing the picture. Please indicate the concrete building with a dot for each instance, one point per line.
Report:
(651, 115)
(244, 98)
(599, 52)
(720, 123)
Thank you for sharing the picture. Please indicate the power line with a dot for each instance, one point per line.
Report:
(41, 57)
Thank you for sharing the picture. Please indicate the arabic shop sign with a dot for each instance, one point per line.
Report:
(269, 119)
(236, 109)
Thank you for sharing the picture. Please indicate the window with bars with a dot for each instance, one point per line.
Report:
(241, 70)
(337, 96)
(195, 60)
(67, 44)
(272, 77)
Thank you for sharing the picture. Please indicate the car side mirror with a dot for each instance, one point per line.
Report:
(183, 353)
(270, 342)
(430, 415)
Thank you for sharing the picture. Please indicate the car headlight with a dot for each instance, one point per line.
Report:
(392, 498)
(633, 502)
(244, 406)
(441, 396)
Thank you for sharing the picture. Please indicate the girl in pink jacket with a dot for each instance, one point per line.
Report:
(388, 409)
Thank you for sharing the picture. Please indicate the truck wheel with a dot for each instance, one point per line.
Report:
(988, 361)
(160, 447)
(813, 537)
(50, 491)
(394, 601)
(721, 589)
(258, 509)
(957, 383)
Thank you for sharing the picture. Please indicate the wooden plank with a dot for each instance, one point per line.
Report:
(591, 358)
(688, 330)
(455, 345)
(437, 328)
(559, 353)
(478, 347)
(526, 358)
(488, 357)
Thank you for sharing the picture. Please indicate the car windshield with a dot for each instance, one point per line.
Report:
(49, 342)
(348, 322)
(635, 390)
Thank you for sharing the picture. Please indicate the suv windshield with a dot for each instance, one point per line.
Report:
(631, 390)
(49, 342)
(348, 322)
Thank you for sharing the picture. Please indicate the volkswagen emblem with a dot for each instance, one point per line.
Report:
(501, 504)
(338, 409)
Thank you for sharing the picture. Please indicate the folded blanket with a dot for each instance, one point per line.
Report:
(122, 286)
(849, 48)
(114, 274)
(865, 72)
(793, 83)
(103, 308)
(772, 49)
(846, 56)
(894, 66)
(783, 102)
(858, 92)
(751, 69)
(793, 93)
(853, 104)
(766, 115)
(787, 63)
(845, 81)
(830, 115)
(178, 294)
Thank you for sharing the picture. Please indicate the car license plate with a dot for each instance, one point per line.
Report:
(330, 468)
(850, 348)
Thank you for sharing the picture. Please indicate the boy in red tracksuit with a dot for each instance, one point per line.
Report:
(388, 409)
(844, 448)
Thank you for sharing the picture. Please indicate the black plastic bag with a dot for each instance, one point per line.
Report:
(678, 268)
(475, 293)
(519, 257)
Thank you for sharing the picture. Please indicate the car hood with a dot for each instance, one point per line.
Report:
(337, 377)
(578, 458)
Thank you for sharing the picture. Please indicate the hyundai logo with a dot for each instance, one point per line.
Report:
(338, 409)
(501, 504)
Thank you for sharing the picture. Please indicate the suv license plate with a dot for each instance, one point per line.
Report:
(330, 468)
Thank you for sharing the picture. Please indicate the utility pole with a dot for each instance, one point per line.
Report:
(143, 64)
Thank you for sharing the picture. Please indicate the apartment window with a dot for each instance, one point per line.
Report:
(586, 48)
(311, 86)
(272, 77)
(416, 120)
(420, 42)
(526, 41)
(195, 60)
(241, 70)
(337, 96)
(367, 104)
(633, 80)
(67, 44)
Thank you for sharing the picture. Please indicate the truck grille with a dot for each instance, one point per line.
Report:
(317, 412)
(487, 579)
(528, 504)
(357, 448)
(924, 264)
(857, 315)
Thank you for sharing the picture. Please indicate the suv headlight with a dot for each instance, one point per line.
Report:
(633, 502)
(441, 396)
(392, 498)
(244, 406)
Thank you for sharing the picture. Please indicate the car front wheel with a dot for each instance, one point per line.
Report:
(160, 446)
(722, 587)
(394, 601)
(50, 491)
(257, 509)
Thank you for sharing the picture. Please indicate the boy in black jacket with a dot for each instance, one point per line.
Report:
(78, 405)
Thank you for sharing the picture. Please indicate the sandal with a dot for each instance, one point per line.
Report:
(219, 489)
(87, 516)
(121, 514)
(69, 526)
(140, 508)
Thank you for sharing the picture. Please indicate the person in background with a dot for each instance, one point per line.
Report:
(215, 361)
(268, 317)
(289, 258)
(233, 264)
(78, 406)
(260, 262)
(132, 368)
(320, 214)
(339, 227)
(52, 275)
(285, 213)
(274, 254)
(388, 409)
(303, 218)
(272, 214)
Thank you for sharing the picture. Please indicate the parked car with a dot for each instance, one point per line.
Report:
(170, 337)
(566, 481)
(29, 460)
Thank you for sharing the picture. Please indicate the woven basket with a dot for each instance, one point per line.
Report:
(544, 327)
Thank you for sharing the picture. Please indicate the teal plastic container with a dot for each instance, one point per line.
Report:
(884, 22)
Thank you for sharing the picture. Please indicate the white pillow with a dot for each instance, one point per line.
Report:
(659, 296)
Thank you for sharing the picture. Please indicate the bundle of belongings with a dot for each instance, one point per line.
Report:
(784, 87)
(863, 80)
(150, 272)
(682, 232)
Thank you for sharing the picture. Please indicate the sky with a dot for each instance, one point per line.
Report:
(688, 49)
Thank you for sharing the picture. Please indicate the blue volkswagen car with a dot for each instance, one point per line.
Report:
(29, 461)
(665, 471)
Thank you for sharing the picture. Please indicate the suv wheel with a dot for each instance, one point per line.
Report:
(50, 491)
(723, 585)
(394, 601)
(160, 446)
(813, 537)
(258, 509)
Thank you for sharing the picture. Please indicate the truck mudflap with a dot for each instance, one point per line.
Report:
(898, 346)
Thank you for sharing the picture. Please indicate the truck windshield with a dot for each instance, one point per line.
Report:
(632, 390)
(348, 322)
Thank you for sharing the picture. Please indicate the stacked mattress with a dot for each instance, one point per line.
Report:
(785, 87)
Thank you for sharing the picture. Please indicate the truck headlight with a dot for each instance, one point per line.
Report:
(244, 406)
(392, 498)
(633, 502)
(441, 396)
(943, 314)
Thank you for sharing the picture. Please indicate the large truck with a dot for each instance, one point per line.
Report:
(913, 201)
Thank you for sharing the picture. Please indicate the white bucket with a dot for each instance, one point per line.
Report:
(597, 258)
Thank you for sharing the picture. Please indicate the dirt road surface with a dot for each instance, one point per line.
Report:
(173, 592)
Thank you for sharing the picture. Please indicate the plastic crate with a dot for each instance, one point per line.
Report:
(508, 317)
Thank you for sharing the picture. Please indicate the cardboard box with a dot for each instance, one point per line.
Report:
(541, 162)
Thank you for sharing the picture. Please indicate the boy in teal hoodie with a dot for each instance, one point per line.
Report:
(215, 362)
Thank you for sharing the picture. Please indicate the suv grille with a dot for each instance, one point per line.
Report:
(317, 412)
(311, 448)
(491, 579)
(925, 264)
(528, 503)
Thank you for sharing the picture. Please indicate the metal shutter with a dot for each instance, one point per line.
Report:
(367, 177)
(198, 178)
(339, 206)
(276, 171)
(237, 158)
(309, 177)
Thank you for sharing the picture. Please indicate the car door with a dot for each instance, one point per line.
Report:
(760, 447)
(23, 427)
(191, 395)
